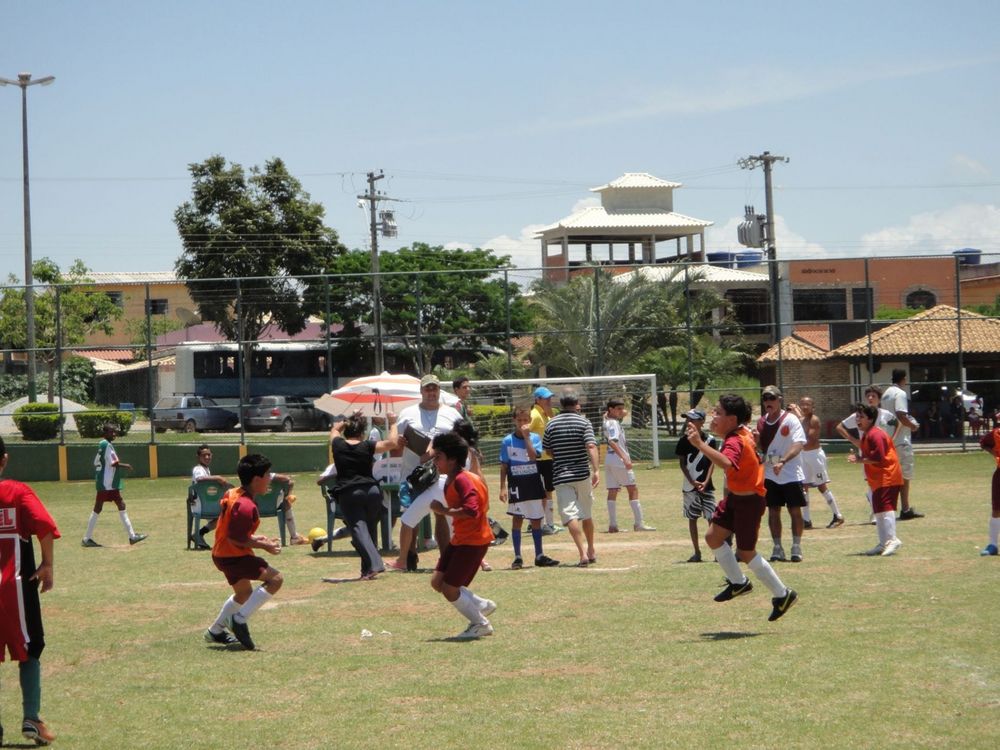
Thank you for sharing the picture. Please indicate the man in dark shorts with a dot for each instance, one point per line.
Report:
(740, 511)
(233, 554)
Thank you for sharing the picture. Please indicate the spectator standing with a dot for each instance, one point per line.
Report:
(697, 488)
(895, 400)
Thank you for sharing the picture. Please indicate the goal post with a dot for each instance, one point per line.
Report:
(491, 402)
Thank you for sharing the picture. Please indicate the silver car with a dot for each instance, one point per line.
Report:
(284, 413)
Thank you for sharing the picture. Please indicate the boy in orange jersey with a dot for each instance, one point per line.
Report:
(466, 502)
(740, 511)
(884, 475)
(991, 442)
(233, 554)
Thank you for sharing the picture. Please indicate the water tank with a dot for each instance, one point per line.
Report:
(722, 259)
(747, 258)
(968, 256)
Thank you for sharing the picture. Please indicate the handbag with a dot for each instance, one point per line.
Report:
(422, 477)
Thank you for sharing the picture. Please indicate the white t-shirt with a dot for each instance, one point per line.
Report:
(430, 423)
(789, 432)
(200, 472)
(614, 433)
(895, 400)
(886, 420)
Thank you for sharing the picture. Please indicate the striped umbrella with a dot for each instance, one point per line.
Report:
(375, 395)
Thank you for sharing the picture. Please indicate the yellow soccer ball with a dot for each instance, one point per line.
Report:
(316, 533)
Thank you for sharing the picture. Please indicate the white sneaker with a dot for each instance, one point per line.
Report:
(876, 550)
(891, 546)
(796, 553)
(475, 631)
(488, 608)
(778, 553)
(643, 527)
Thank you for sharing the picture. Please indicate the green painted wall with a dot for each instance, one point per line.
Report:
(33, 463)
(288, 459)
(178, 460)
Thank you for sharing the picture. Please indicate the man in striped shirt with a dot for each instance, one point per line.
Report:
(569, 437)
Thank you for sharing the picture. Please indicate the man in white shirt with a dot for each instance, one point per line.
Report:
(895, 400)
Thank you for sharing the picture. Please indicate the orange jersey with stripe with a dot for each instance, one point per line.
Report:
(236, 504)
(746, 475)
(876, 444)
(991, 442)
(468, 491)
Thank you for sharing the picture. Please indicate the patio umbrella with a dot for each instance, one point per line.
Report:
(375, 395)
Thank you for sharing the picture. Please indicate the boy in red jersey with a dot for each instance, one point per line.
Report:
(740, 511)
(468, 503)
(23, 516)
(991, 442)
(885, 477)
(233, 554)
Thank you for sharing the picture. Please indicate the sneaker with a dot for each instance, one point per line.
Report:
(891, 546)
(643, 527)
(222, 638)
(89, 543)
(807, 524)
(35, 729)
(135, 539)
(317, 543)
(612, 529)
(299, 539)
(909, 514)
(548, 529)
(488, 608)
(517, 564)
(782, 604)
(989, 549)
(200, 543)
(733, 590)
(835, 522)
(778, 554)
(876, 550)
(796, 553)
(696, 557)
(475, 631)
(242, 633)
(430, 544)
(544, 561)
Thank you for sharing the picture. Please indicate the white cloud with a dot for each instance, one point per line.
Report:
(938, 232)
(966, 164)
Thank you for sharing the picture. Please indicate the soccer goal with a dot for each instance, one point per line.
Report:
(492, 400)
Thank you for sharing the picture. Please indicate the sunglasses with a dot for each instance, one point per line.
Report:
(769, 397)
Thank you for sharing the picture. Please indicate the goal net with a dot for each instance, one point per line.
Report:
(492, 400)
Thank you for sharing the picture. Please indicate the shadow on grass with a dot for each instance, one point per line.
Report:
(726, 635)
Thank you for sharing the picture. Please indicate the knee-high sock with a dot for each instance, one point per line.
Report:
(91, 525)
(882, 524)
(636, 511)
(256, 600)
(549, 518)
(806, 515)
(515, 539)
(994, 530)
(890, 525)
(832, 502)
(612, 512)
(230, 608)
(536, 538)
(468, 607)
(30, 674)
(480, 601)
(127, 523)
(766, 575)
(726, 558)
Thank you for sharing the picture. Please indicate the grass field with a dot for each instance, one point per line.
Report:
(894, 652)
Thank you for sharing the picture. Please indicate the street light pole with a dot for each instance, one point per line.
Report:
(23, 81)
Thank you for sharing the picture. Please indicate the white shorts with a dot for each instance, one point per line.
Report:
(530, 509)
(814, 466)
(905, 454)
(575, 500)
(421, 504)
(616, 475)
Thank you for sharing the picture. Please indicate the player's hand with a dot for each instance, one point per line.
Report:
(628, 464)
(778, 467)
(390, 417)
(693, 435)
(503, 494)
(595, 478)
(698, 486)
(43, 574)
(851, 458)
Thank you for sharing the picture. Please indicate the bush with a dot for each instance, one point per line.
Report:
(78, 379)
(90, 424)
(13, 387)
(38, 421)
(492, 421)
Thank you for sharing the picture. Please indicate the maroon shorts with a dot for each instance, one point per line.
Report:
(996, 491)
(545, 471)
(741, 514)
(460, 563)
(244, 567)
(109, 496)
(884, 499)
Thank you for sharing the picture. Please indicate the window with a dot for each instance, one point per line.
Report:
(751, 307)
(115, 297)
(921, 299)
(862, 303)
(156, 306)
(819, 304)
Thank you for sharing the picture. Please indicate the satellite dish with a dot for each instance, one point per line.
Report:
(188, 317)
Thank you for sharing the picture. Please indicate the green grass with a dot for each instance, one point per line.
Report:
(632, 653)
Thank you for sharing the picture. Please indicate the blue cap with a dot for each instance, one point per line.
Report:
(542, 392)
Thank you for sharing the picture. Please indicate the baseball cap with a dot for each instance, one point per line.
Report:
(695, 415)
(771, 390)
(542, 392)
(430, 379)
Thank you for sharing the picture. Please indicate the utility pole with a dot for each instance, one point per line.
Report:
(388, 227)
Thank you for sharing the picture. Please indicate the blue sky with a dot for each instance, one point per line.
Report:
(492, 119)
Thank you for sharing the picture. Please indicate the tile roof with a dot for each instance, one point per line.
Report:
(793, 348)
(702, 273)
(137, 277)
(112, 355)
(636, 180)
(817, 335)
(598, 217)
(933, 331)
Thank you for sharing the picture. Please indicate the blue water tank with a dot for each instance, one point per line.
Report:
(722, 259)
(968, 256)
(747, 258)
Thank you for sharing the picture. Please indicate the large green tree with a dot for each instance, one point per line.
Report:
(81, 312)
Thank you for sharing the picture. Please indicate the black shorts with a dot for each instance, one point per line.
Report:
(545, 469)
(780, 495)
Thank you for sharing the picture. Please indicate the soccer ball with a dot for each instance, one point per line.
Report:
(316, 533)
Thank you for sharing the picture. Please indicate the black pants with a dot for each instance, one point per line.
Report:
(361, 507)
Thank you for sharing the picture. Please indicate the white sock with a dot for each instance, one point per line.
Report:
(636, 511)
(91, 525)
(230, 608)
(766, 575)
(548, 511)
(796, 540)
(480, 602)
(832, 502)
(612, 513)
(882, 525)
(890, 526)
(806, 515)
(290, 522)
(994, 530)
(776, 541)
(468, 607)
(256, 600)
(123, 515)
(726, 558)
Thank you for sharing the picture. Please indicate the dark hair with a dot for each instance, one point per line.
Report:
(354, 426)
(467, 431)
(3, 447)
(869, 411)
(615, 401)
(874, 389)
(202, 447)
(457, 382)
(452, 446)
(109, 426)
(898, 375)
(569, 397)
(252, 465)
(736, 406)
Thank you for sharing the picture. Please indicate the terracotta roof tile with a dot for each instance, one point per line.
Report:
(793, 348)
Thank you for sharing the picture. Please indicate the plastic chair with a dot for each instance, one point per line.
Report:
(269, 505)
(332, 510)
(210, 494)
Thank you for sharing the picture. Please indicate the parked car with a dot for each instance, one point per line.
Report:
(192, 414)
(284, 413)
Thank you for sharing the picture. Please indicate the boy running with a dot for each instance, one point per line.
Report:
(110, 481)
(618, 468)
(521, 486)
(233, 554)
(991, 442)
(698, 490)
(743, 506)
(885, 477)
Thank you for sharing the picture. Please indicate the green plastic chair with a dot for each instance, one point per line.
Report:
(269, 505)
(332, 510)
(210, 494)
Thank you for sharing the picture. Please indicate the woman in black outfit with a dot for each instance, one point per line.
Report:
(357, 491)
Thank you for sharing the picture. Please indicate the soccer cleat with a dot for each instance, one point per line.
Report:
(909, 514)
(643, 527)
(318, 542)
(242, 633)
(517, 564)
(876, 550)
(733, 590)
(35, 730)
(891, 546)
(796, 553)
(835, 522)
(782, 604)
(807, 524)
(475, 631)
(696, 557)
(136, 538)
(612, 529)
(89, 543)
(989, 549)
(778, 554)
(488, 608)
(544, 561)
(223, 638)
